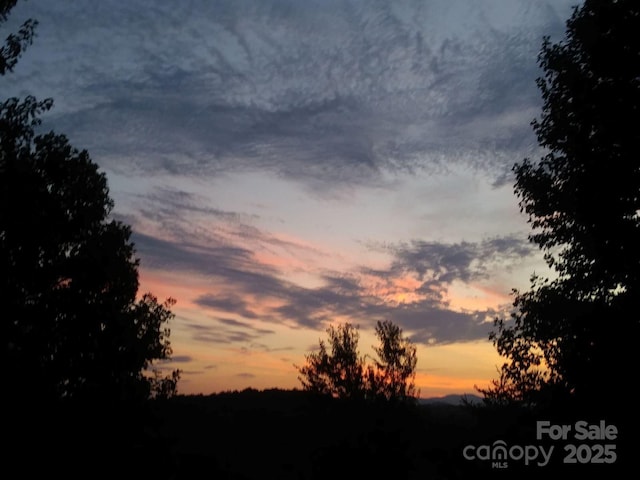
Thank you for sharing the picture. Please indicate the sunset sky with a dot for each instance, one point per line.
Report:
(289, 164)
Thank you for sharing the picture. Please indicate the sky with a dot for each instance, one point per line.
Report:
(287, 165)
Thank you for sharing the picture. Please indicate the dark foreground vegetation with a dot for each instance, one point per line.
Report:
(289, 434)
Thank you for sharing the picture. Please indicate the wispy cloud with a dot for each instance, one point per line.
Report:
(181, 359)
(411, 291)
(463, 261)
(220, 334)
(324, 93)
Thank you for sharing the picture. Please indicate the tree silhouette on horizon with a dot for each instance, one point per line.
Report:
(338, 369)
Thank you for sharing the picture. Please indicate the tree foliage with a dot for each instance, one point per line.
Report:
(15, 43)
(336, 370)
(339, 370)
(568, 335)
(393, 374)
(72, 325)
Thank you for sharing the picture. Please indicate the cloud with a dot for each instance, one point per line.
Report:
(232, 304)
(225, 238)
(328, 94)
(218, 334)
(216, 260)
(236, 323)
(167, 202)
(465, 261)
(180, 359)
(411, 291)
(226, 331)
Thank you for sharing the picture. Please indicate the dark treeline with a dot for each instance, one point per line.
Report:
(275, 433)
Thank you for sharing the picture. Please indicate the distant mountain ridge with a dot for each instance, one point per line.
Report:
(453, 399)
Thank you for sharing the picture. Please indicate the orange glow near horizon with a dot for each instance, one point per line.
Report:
(440, 385)
(266, 360)
(282, 374)
(442, 370)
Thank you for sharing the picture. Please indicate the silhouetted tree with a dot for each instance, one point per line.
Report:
(72, 325)
(392, 377)
(338, 372)
(15, 43)
(573, 335)
(343, 373)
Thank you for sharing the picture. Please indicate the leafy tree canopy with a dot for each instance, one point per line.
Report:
(339, 370)
(392, 376)
(73, 326)
(569, 336)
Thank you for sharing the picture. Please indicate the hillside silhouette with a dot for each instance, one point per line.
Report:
(278, 433)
